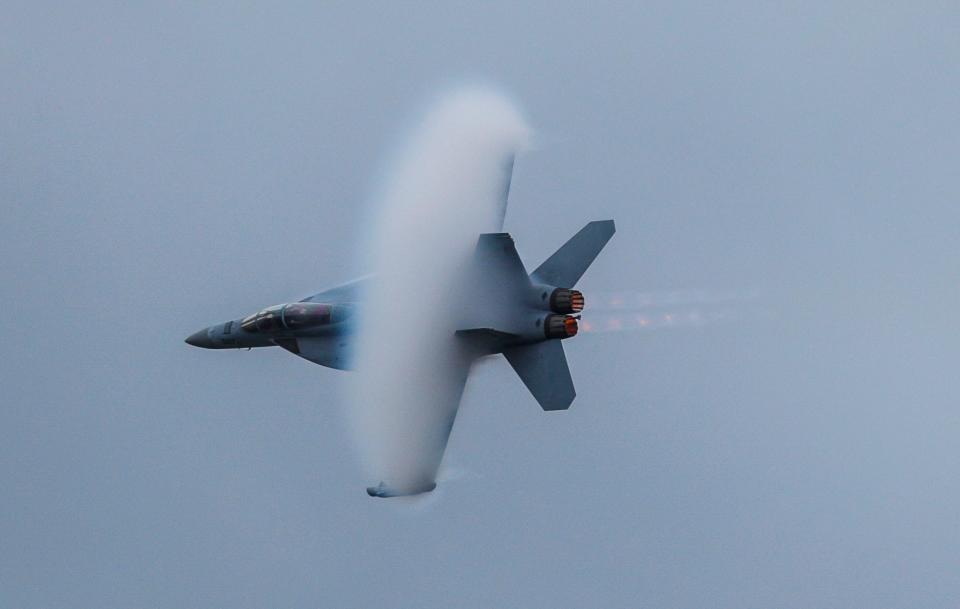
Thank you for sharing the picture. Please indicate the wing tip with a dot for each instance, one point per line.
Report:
(385, 492)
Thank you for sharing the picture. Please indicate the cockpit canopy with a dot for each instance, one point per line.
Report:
(292, 316)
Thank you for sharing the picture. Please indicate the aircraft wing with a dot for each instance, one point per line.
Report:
(352, 291)
(422, 392)
(411, 435)
(328, 351)
(506, 177)
(409, 406)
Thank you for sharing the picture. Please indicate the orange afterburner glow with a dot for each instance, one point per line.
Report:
(576, 301)
(564, 300)
(560, 326)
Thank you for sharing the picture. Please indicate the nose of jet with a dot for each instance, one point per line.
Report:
(201, 338)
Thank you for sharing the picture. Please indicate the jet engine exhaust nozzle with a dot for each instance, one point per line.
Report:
(560, 326)
(564, 300)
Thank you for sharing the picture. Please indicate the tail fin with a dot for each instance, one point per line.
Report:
(542, 365)
(543, 369)
(565, 267)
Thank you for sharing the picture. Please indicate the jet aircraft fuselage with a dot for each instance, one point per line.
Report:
(275, 324)
(504, 310)
(324, 328)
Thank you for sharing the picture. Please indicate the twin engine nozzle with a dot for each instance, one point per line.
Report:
(560, 326)
(563, 300)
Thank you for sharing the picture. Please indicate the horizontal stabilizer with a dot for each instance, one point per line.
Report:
(565, 267)
(543, 369)
(483, 341)
(485, 332)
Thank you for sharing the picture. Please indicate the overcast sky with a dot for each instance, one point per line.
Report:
(166, 166)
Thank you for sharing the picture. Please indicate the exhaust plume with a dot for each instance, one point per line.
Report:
(630, 311)
(443, 190)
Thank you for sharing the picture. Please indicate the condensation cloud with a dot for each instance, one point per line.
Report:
(443, 190)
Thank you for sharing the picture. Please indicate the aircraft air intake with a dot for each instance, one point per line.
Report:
(564, 300)
(560, 326)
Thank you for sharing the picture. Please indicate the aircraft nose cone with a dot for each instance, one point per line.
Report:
(200, 338)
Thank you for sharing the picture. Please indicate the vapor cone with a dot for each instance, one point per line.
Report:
(446, 188)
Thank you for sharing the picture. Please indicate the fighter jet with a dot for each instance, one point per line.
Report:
(505, 310)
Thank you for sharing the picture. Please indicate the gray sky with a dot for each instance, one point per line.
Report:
(168, 166)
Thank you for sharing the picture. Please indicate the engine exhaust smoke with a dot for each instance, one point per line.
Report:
(444, 189)
(632, 311)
